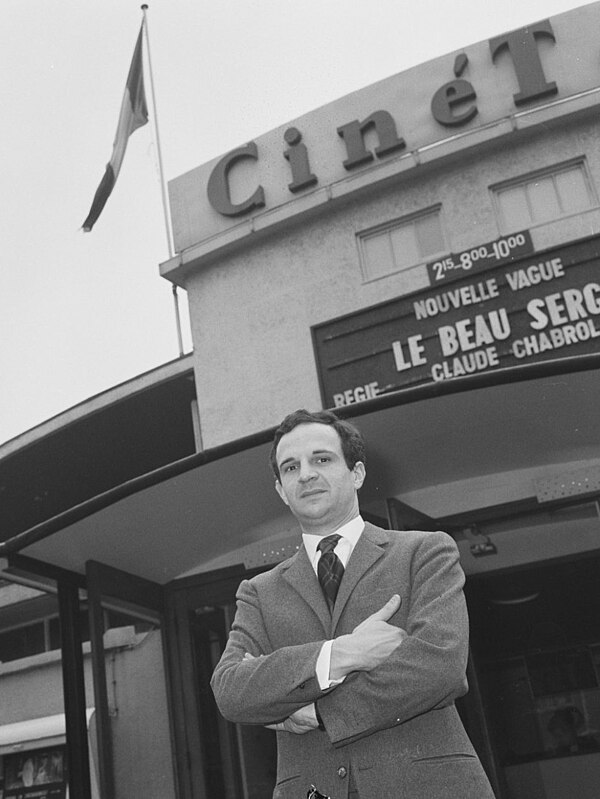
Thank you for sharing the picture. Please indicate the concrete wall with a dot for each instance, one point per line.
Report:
(140, 724)
(252, 311)
(32, 688)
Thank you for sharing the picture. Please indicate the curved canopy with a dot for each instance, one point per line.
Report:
(207, 509)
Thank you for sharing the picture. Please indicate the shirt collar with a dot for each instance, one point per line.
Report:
(351, 531)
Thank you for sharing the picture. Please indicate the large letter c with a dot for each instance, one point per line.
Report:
(217, 189)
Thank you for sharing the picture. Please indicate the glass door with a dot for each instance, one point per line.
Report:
(131, 732)
(215, 758)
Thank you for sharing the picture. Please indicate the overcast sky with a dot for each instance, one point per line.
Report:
(80, 312)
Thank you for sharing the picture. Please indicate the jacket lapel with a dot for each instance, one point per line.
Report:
(301, 576)
(369, 549)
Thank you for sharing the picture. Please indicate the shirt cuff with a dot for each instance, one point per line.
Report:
(322, 667)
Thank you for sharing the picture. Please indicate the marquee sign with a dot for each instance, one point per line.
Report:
(503, 250)
(538, 307)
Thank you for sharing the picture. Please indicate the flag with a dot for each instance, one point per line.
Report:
(134, 114)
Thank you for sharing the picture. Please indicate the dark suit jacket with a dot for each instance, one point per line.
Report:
(395, 728)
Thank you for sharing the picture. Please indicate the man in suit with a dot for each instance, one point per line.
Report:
(355, 648)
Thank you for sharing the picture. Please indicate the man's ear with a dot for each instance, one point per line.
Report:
(359, 472)
(281, 492)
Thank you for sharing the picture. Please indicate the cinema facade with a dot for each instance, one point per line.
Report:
(424, 256)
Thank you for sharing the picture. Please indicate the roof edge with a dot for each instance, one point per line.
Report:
(515, 374)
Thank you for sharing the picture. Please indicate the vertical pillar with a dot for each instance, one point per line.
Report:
(105, 750)
(74, 691)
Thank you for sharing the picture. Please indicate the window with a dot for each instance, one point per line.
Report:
(22, 642)
(543, 196)
(44, 635)
(45, 770)
(402, 244)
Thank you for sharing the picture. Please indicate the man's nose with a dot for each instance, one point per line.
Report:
(307, 472)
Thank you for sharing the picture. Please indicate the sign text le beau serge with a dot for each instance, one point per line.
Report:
(490, 307)
(452, 106)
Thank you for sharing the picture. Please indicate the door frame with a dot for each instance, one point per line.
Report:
(108, 587)
(182, 598)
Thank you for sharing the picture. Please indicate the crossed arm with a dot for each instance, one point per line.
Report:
(390, 674)
(369, 644)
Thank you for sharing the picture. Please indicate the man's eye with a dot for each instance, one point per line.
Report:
(323, 459)
(289, 468)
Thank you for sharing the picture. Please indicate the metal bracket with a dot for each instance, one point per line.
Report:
(481, 545)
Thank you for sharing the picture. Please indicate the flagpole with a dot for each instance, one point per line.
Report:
(163, 189)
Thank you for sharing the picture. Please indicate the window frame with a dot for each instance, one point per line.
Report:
(552, 172)
(393, 224)
(110, 622)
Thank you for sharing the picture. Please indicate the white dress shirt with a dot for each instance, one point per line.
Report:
(350, 533)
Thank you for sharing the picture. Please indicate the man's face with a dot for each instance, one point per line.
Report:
(315, 481)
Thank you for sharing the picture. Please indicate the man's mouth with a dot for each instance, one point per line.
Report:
(312, 492)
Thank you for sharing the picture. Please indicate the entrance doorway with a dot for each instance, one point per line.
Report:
(535, 633)
(251, 748)
(535, 692)
(215, 758)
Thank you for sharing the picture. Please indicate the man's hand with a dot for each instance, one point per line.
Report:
(369, 644)
(301, 721)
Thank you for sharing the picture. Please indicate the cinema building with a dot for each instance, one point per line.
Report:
(424, 256)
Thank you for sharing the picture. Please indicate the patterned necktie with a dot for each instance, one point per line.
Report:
(329, 569)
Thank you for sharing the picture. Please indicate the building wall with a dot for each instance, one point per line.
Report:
(140, 724)
(32, 688)
(252, 310)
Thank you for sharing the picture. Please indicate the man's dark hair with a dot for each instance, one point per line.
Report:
(353, 445)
